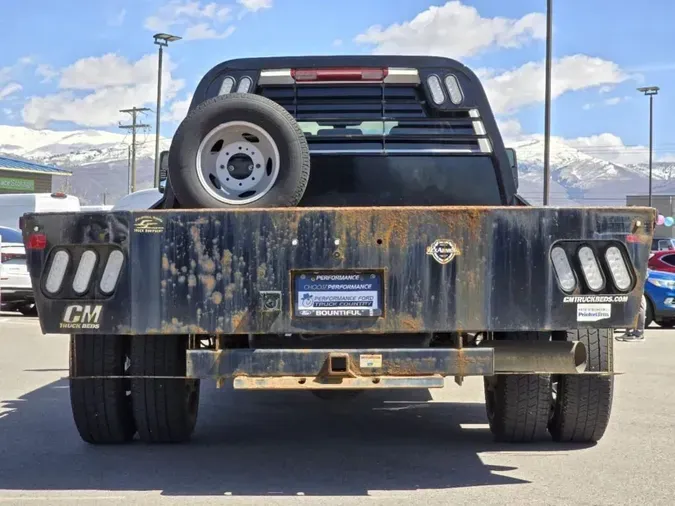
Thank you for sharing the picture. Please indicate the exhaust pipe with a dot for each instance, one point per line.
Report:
(538, 357)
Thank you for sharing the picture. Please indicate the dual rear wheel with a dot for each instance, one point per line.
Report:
(113, 410)
(568, 408)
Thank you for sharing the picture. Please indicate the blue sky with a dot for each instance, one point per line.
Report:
(73, 64)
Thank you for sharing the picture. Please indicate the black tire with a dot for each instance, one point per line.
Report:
(282, 127)
(666, 324)
(336, 395)
(101, 407)
(583, 403)
(519, 405)
(165, 410)
(649, 313)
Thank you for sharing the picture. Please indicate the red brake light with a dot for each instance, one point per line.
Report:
(632, 238)
(59, 195)
(343, 74)
(37, 241)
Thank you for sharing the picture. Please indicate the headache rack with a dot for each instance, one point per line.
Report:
(377, 118)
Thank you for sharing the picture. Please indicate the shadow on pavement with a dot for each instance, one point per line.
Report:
(260, 444)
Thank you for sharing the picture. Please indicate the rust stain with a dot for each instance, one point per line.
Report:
(229, 291)
(406, 322)
(208, 282)
(207, 264)
(226, 263)
(194, 232)
(216, 297)
(237, 319)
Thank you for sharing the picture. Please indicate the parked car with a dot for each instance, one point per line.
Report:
(16, 291)
(15, 205)
(660, 294)
(663, 244)
(663, 261)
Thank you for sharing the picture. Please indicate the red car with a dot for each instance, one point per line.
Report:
(662, 261)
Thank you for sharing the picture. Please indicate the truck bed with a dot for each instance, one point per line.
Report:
(416, 269)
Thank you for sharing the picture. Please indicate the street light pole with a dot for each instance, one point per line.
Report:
(162, 40)
(547, 99)
(650, 91)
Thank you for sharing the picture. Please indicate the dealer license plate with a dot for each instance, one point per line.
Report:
(338, 294)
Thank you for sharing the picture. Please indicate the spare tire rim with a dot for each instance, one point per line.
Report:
(238, 162)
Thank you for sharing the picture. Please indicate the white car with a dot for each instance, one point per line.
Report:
(16, 291)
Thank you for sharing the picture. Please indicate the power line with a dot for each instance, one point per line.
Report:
(133, 127)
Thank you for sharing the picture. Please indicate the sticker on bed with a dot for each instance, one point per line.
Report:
(593, 312)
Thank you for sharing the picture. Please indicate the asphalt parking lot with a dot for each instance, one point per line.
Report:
(267, 448)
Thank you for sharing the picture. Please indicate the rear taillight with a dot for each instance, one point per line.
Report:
(57, 271)
(339, 74)
(563, 269)
(111, 273)
(589, 264)
(36, 241)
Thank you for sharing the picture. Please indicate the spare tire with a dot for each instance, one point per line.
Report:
(239, 150)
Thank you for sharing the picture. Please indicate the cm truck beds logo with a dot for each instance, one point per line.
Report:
(148, 225)
(595, 299)
(84, 316)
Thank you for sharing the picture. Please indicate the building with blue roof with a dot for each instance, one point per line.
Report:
(20, 176)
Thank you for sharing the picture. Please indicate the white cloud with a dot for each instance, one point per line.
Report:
(8, 113)
(178, 110)
(7, 73)
(454, 30)
(45, 71)
(255, 5)
(118, 19)
(9, 89)
(192, 19)
(93, 90)
(607, 102)
(610, 147)
(204, 31)
(510, 129)
(525, 85)
(337, 43)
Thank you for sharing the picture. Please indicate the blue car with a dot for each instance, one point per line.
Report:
(660, 293)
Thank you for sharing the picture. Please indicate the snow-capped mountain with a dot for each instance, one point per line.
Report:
(99, 162)
(74, 148)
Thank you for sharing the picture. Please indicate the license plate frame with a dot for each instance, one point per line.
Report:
(327, 294)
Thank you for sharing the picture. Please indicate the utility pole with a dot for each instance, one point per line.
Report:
(134, 125)
(650, 91)
(162, 40)
(128, 169)
(547, 100)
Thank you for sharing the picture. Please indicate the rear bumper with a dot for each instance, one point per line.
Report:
(382, 368)
(232, 272)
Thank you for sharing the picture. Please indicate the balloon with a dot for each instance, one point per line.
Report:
(669, 221)
(660, 219)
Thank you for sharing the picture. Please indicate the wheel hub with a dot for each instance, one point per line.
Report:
(240, 167)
